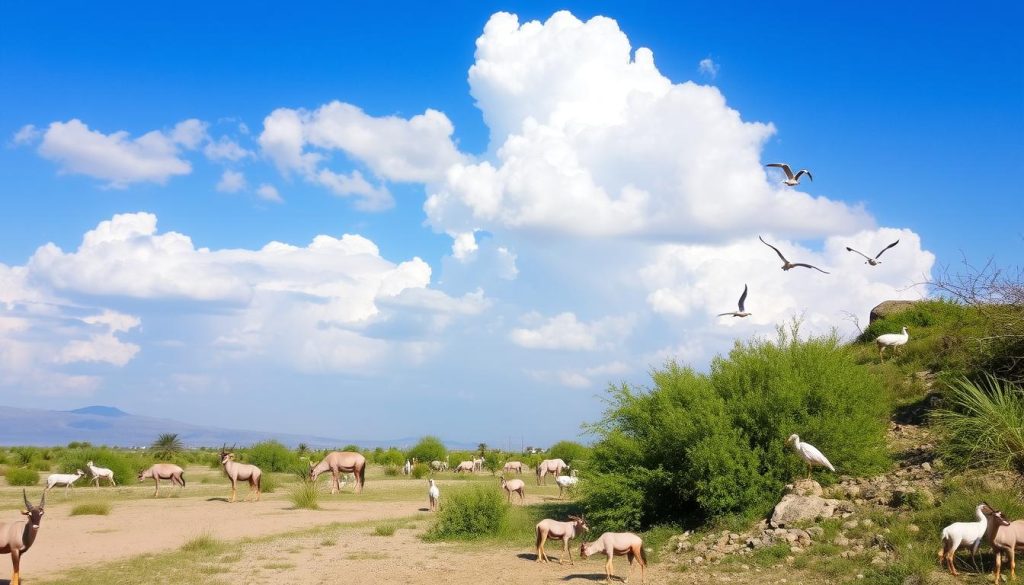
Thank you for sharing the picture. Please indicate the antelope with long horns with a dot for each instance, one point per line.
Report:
(240, 472)
(17, 537)
(163, 471)
(337, 462)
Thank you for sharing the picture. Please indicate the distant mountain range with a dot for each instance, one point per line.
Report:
(107, 425)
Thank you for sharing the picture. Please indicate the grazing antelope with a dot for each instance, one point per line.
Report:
(433, 495)
(552, 466)
(338, 461)
(17, 537)
(516, 466)
(1004, 537)
(240, 471)
(564, 531)
(465, 466)
(65, 479)
(160, 471)
(100, 472)
(514, 485)
(617, 544)
(436, 465)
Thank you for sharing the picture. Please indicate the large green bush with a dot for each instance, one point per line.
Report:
(272, 456)
(390, 457)
(428, 449)
(22, 476)
(124, 466)
(698, 446)
(568, 451)
(468, 513)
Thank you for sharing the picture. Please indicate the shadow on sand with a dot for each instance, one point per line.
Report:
(225, 500)
(589, 577)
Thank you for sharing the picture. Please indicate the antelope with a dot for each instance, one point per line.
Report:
(240, 471)
(65, 479)
(407, 468)
(514, 485)
(100, 472)
(965, 534)
(564, 531)
(516, 466)
(566, 482)
(1003, 536)
(17, 537)
(552, 466)
(433, 495)
(465, 466)
(160, 471)
(436, 465)
(617, 544)
(338, 461)
(478, 464)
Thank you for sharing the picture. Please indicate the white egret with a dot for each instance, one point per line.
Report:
(809, 453)
(892, 340)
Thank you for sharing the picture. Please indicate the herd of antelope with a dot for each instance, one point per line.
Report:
(991, 527)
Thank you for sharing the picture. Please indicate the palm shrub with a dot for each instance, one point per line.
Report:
(166, 446)
(699, 446)
(470, 512)
(982, 425)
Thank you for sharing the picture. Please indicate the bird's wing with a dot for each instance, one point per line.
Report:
(724, 314)
(773, 248)
(886, 248)
(809, 266)
(812, 454)
(785, 168)
(803, 172)
(849, 249)
(743, 298)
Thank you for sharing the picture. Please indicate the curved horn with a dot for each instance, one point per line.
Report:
(42, 501)
(24, 494)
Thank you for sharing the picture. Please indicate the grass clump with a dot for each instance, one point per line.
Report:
(269, 483)
(91, 508)
(420, 470)
(204, 544)
(305, 495)
(385, 529)
(469, 513)
(706, 446)
(22, 476)
(982, 425)
(391, 470)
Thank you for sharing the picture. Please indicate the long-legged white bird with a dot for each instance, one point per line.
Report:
(791, 179)
(742, 312)
(873, 261)
(809, 453)
(893, 340)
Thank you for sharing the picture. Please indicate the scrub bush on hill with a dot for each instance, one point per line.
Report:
(699, 446)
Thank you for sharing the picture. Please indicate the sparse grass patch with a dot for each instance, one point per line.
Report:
(204, 544)
(91, 508)
(275, 566)
(328, 542)
(269, 482)
(385, 529)
(305, 495)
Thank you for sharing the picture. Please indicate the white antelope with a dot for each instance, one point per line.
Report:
(516, 466)
(465, 466)
(966, 534)
(17, 537)
(478, 464)
(514, 485)
(160, 471)
(65, 479)
(553, 466)
(241, 471)
(407, 468)
(617, 544)
(433, 495)
(893, 340)
(100, 473)
(566, 482)
(436, 465)
(564, 531)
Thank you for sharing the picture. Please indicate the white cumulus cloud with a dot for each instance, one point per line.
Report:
(708, 67)
(231, 181)
(269, 193)
(565, 331)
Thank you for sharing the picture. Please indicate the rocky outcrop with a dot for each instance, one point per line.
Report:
(886, 308)
(803, 503)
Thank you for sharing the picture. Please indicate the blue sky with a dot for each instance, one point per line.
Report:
(579, 211)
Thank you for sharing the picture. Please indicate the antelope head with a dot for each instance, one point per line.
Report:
(34, 513)
(995, 514)
(580, 523)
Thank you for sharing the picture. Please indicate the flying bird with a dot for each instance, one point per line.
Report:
(791, 179)
(786, 264)
(873, 261)
(809, 453)
(742, 312)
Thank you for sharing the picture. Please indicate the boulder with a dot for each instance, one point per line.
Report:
(794, 508)
(886, 308)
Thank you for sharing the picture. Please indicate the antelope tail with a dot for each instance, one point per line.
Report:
(182, 476)
(643, 555)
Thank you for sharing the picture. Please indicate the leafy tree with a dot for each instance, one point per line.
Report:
(166, 446)
(271, 456)
(568, 451)
(482, 449)
(493, 462)
(429, 449)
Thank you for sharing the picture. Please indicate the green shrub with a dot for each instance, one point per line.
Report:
(391, 470)
(94, 508)
(420, 470)
(125, 467)
(713, 445)
(429, 449)
(269, 483)
(568, 451)
(40, 465)
(305, 495)
(982, 425)
(468, 513)
(22, 476)
(390, 457)
(385, 529)
(271, 456)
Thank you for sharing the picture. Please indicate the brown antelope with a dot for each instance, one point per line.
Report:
(17, 537)
(617, 544)
(564, 531)
(1004, 537)
(465, 466)
(516, 466)
(514, 485)
(552, 466)
(240, 471)
(160, 471)
(337, 462)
